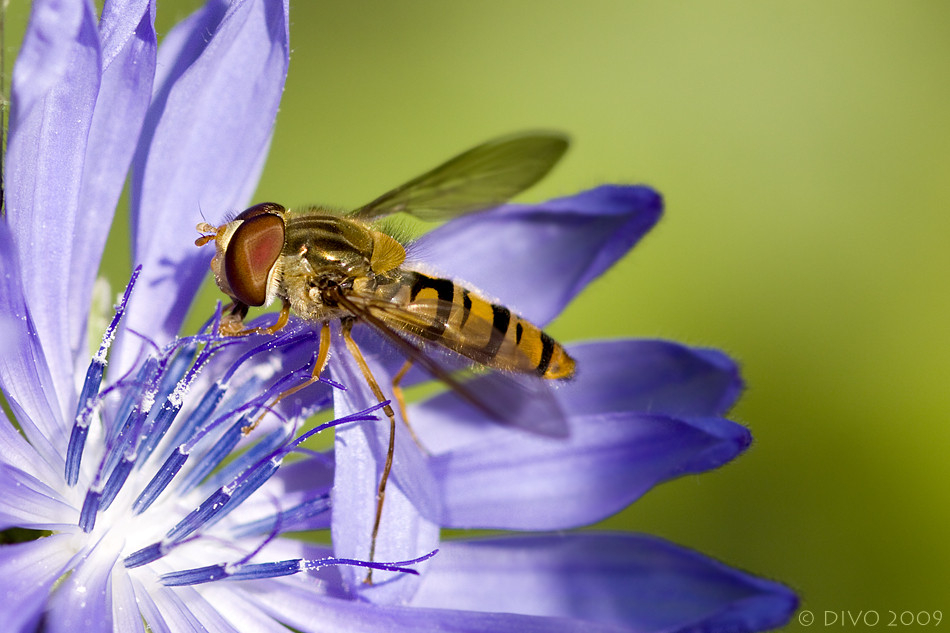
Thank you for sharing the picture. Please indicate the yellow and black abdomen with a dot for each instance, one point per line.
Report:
(455, 317)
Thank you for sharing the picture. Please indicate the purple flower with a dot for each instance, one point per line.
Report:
(137, 498)
(639, 413)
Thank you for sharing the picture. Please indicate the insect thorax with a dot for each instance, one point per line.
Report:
(322, 250)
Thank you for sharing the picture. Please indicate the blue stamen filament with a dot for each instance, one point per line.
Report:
(256, 571)
(225, 444)
(295, 518)
(226, 498)
(90, 388)
(118, 460)
(252, 405)
(145, 376)
(141, 427)
(160, 481)
(136, 434)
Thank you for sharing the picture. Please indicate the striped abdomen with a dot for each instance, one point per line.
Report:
(453, 316)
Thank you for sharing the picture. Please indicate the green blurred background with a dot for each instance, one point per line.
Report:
(803, 151)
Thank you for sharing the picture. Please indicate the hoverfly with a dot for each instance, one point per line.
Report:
(326, 266)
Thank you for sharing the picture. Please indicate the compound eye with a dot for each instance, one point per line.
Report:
(260, 209)
(251, 254)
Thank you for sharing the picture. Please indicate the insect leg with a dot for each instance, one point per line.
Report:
(388, 410)
(322, 353)
(233, 323)
(401, 401)
(232, 319)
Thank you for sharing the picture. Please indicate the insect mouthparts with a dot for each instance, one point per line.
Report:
(329, 291)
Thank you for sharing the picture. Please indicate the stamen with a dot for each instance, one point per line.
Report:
(256, 571)
(146, 375)
(157, 427)
(249, 405)
(125, 452)
(205, 514)
(90, 386)
(226, 498)
(202, 412)
(195, 576)
(90, 507)
(359, 416)
(115, 466)
(399, 566)
(180, 355)
(160, 481)
(177, 459)
(250, 481)
(129, 433)
(116, 480)
(173, 402)
(277, 569)
(281, 340)
(179, 455)
(198, 517)
(90, 389)
(77, 442)
(256, 476)
(144, 556)
(174, 373)
(298, 518)
(266, 446)
(213, 457)
(226, 443)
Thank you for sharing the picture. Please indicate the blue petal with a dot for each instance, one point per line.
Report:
(244, 615)
(125, 609)
(17, 453)
(302, 609)
(24, 375)
(55, 82)
(202, 147)
(29, 571)
(150, 611)
(536, 258)
(128, 67)
(513, 480)
(83, 601)
(650, 376)
(121, 24)
(179, 609)
(613, 376)
(640, 582)
(25, 501)
(408, 527)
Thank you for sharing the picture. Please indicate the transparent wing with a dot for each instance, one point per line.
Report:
(429, 320)
(516, 399)
(483, 177)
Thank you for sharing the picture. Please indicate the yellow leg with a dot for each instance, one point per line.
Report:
(401, 401)
(388, 410)
(397, 391)
(322, 353)
(233, 323)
